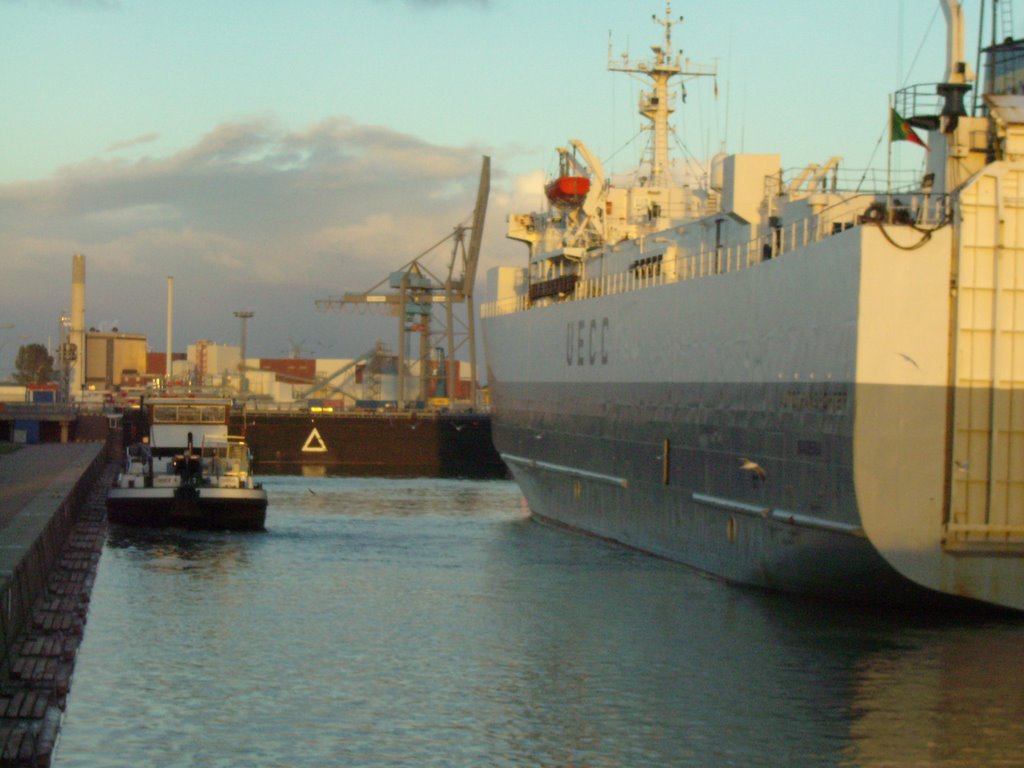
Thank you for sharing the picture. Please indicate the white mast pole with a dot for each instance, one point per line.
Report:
(888, 156)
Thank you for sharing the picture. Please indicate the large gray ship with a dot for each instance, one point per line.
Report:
(777, 378)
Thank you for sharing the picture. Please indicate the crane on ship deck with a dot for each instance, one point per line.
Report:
(412, 293)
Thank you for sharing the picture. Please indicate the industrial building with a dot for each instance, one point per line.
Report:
(113, 358)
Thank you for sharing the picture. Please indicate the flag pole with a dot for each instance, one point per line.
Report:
(888, 158)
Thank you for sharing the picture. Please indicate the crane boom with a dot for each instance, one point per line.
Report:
(415, 290)
(477, 233)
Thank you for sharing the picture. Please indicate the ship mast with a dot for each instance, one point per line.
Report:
(656, 104)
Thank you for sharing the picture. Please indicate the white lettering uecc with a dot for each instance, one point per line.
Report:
(585, 342)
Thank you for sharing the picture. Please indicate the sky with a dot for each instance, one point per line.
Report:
(267, 154)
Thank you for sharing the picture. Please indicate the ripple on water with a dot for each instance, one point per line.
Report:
(429, 623)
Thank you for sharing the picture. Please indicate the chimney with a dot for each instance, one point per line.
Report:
(77, 379)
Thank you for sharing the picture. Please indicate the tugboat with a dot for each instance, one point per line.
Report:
(167, 481)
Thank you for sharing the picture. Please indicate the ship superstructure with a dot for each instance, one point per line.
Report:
(786, 380)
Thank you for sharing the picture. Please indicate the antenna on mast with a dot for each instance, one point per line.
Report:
(667, 23)
(657, 104)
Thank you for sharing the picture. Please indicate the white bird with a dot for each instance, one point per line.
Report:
(753, 468)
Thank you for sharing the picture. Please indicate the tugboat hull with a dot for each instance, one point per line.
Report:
(235, 509)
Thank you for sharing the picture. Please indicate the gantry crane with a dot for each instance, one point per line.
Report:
(413, 291)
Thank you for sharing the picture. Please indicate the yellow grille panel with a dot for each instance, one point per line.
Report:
(987, 470)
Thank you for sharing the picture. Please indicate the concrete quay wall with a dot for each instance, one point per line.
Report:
(52, 528)
(42, 492)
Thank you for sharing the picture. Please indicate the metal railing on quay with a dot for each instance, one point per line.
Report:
(39, 410)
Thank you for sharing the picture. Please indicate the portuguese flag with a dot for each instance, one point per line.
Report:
(901, 130)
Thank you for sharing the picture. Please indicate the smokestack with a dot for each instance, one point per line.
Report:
(243, 384)
(170, 318)
(77, 380)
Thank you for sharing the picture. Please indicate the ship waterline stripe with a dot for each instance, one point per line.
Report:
(565, 470)
(781, 515)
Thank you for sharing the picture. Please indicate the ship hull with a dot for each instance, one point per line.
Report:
(237, 509)
(699, 507)
(785, 426)
(400, 444)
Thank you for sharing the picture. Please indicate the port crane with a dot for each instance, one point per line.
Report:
(329, 386)
(412, 292)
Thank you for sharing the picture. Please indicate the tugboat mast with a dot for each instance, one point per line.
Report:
(657, 104)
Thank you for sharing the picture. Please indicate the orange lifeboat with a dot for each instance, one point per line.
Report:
(567, 191)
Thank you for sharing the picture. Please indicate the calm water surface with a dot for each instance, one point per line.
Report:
(430, 623)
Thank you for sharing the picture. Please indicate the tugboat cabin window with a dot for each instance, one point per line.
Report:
(189, 414)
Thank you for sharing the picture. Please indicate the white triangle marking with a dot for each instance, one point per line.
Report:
(314, 443)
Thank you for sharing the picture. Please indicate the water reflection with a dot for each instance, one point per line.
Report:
(206, 554)
(953, 697)
(487, 471)
(416, 622)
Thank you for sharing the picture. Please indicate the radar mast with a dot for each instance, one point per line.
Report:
(657, 104)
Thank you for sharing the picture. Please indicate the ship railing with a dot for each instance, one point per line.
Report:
(290, 409)
(799, 182)
(924, 211)
(506, 306)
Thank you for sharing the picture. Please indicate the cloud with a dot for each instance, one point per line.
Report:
(251, 215)
(145, 138)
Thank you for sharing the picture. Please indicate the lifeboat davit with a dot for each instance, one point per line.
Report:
(567, 191)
